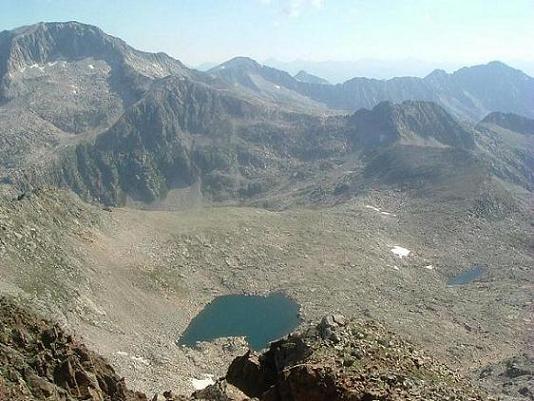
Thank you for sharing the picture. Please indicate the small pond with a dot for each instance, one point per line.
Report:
(261, 319)
(474, 273)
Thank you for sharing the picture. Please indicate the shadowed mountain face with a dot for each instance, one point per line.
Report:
(470, 93)
(235, 148)
(410, 122)
(509, 121)
(508, 142)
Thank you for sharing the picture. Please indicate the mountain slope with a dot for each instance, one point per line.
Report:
(182, 133)
(496, 87)
(409, 122)
(507, 140)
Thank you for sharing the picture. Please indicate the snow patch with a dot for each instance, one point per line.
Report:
(372, 208)
(41, 68)
(91, 66)
(399, 251)
(277, 86)
(429, 267)
(52, 64)
(378, 210)
(201, 384)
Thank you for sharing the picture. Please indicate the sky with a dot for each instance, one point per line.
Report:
(444, 32)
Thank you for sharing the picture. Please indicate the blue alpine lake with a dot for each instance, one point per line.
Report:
(261, 319)
(474, 273)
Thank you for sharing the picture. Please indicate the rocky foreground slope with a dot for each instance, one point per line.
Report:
(39, 361)
(335, 360)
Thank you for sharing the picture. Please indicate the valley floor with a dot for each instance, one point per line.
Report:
(130, 281)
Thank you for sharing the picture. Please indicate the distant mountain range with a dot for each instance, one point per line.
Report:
(469, 93)
(118, 125)
(341, 71)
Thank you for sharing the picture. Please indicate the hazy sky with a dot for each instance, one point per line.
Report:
(196, 31)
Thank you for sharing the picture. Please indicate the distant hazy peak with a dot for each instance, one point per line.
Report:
(306, 77)
(493, 67)
(437, 75)
(238, 63)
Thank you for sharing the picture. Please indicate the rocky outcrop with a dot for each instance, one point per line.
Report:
(39, 361)
(513, 377)
(346, 360)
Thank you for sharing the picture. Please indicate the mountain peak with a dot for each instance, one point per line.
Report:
(493, 67)
(416, 122)
(437, 74)
(239, 62)
(28, 29)
(306, 77)
(49, 41)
